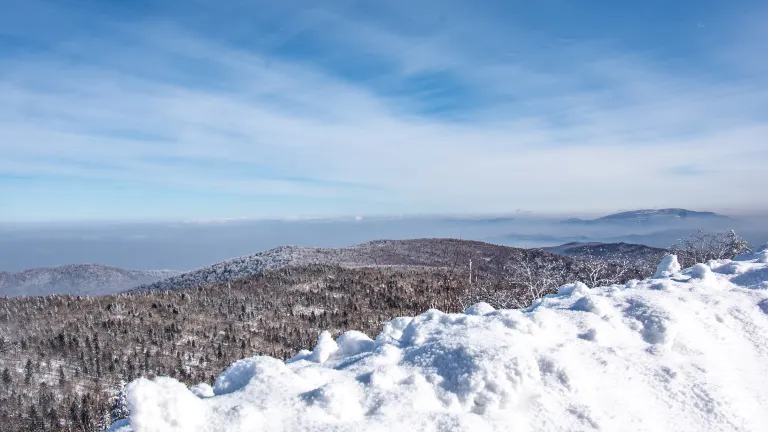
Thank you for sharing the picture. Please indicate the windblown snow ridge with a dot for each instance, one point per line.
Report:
(684, 351)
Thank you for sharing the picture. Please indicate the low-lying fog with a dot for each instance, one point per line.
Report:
(184, 246)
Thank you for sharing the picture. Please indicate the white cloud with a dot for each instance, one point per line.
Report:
(606, 130)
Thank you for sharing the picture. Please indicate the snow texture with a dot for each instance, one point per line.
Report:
(684, 351)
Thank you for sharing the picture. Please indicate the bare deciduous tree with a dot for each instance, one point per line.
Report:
(597, 271)
(701, 247)
(537, 274)
(527, 277)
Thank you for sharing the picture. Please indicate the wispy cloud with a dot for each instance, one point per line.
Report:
(467, 116)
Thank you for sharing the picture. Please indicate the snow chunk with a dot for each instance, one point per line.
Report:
(592, 304)
(202, 390)
(700, 271)
(324, 348)
(573, 288)
(667, 267)
(683, 354)
(241, 372)
(479, 309)
(301, 355)
(353, 343)
(164, 404)
(393, 330)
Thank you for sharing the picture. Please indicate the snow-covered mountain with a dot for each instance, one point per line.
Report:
(685, 350)
(607, 250)
(76, 279)
(649, 216)
(417, 252)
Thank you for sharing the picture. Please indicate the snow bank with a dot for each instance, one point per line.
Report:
(686, 350)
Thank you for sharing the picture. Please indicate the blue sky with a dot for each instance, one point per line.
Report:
(202, 109)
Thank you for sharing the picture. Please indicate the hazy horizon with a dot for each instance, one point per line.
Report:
(159, 135)
(158, 158)
(519, 213)
(186, 245)
(158, 110)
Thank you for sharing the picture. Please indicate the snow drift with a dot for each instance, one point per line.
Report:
(686, 350)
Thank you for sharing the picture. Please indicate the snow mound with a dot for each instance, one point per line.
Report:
(684, 352)
(667, 267)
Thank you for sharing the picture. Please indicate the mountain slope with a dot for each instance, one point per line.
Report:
(449, 253)
(76, 279)
(649, 216)
(684, 351)
(608, 251)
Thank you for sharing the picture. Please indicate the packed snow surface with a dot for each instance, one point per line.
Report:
(686, 350)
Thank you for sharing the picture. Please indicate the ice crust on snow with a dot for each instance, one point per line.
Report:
(685, 351)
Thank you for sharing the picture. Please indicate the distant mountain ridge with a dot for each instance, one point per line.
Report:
(649, 216)
(77, 279)
(608, 251)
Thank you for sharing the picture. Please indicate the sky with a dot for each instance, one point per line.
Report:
(148, 110)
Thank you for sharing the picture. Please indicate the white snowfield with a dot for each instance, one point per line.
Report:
(683, 351)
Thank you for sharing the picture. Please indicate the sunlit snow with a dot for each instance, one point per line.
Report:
(686, 350)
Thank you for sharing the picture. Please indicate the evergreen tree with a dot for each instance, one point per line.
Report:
(53, 417)
(736, 245)
(105, 420)
(74, 418)
(7, 376)
(28, 371)
(119, 408)
(34, 421)
(86, 419)
(62, 378)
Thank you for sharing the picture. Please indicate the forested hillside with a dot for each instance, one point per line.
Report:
(62, 356)
(427, 252)
(684, 350)
(77, 279)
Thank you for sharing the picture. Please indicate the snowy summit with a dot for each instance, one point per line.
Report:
(685, 350)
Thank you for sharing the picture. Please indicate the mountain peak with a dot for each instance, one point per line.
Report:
(650, 215)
